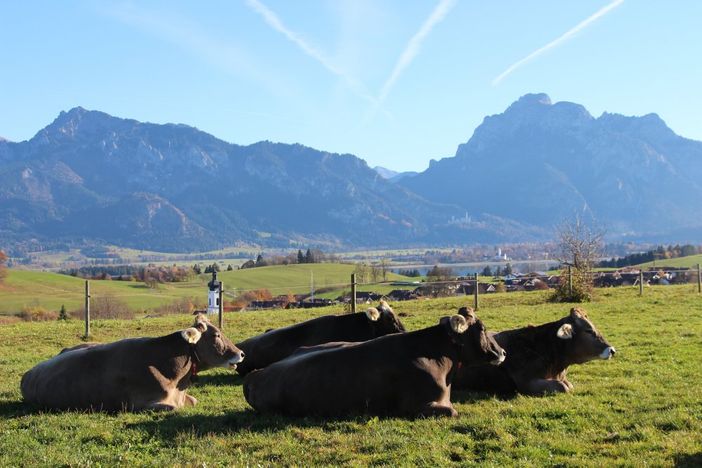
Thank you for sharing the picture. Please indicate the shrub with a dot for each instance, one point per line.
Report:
(582, 287)
(63, 315)
(179, 306)
(106, 307)
(37, 314)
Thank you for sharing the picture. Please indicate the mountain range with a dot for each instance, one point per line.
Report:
(89, 178)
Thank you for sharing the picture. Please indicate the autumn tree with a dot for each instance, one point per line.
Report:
(3, 267)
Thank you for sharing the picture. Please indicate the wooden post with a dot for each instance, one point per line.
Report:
(640, 282)
(87, 309)
(221, 306)
(699, 279)
(353, 293)
(475, 293)
(570, 281)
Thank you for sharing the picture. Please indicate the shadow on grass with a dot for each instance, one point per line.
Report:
(169, 426)
(466, 396)
(15, 408)
(219, 380)
(689, 460)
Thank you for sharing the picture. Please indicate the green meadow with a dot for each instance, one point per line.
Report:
(51, 290)
(643, 408)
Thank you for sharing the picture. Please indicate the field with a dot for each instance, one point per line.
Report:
(690, 261)
(644, 407)
(51, 290)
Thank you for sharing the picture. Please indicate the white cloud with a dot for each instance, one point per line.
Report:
(276, 24)
(412, 48)
(558, 41)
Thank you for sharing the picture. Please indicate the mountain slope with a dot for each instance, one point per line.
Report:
(90, 176)
(539, 163)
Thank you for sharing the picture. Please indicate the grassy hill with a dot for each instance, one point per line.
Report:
(281, 279)
(51, 290)
(690, 261)
(641, 408)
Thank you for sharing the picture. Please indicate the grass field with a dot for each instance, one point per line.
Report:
(50, 290)
(642, 408)
(690, 261)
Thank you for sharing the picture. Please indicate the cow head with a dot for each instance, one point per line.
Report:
(211, 347)
(583, 341)
(383, 320)
(477, 346)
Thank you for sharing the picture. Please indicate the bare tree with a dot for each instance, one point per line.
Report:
(579, 246)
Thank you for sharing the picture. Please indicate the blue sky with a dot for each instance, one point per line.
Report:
(394, 82)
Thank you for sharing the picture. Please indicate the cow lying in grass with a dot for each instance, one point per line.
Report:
(407, 374)
(132, 374)
(277, 344)
(538, 357)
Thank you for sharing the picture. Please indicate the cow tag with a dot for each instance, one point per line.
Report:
(191, 335)
(458, 324)
(565, 332)
(372, 314)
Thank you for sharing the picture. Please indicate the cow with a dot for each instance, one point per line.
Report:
(133, 374)
(538, 357)
(274, 345)
(403, 374)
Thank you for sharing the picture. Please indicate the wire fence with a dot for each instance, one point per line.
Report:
(471, 285)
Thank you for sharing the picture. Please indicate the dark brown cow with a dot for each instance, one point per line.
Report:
(407, 374)
(274, 345)
(538, 357)
(132, 374)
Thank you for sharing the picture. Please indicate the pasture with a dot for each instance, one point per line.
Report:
(50, 290)
(644, 407)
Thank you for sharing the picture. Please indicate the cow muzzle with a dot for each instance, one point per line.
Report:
(238, 357)
(501, 356)
(608, 352)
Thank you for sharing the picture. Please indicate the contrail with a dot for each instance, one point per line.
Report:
(568, 35)
(412, 48)
(274, 22)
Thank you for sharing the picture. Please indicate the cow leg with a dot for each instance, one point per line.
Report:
(435, 409)
(160, 407)
(569, 386)
(190, 400)
(538, 387)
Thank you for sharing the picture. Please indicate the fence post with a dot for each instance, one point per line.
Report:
(221, 306)
(640, 282)
(87, 309)
(475, 293)
(570, 281)
(353, 293)
(699, 279)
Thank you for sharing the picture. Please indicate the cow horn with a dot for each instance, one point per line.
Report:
(191, 335)
(458, 323)
(372, 314)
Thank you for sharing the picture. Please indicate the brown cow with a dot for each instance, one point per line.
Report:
(538, 357)
(274, 345)
(132, 374)
(407, 374)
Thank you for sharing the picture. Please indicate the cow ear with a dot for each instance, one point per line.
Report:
(372, 314)
(384, 307)
(565, 332)
(191, 335)
(458, 323)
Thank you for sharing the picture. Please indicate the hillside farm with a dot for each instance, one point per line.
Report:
(644, 407)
